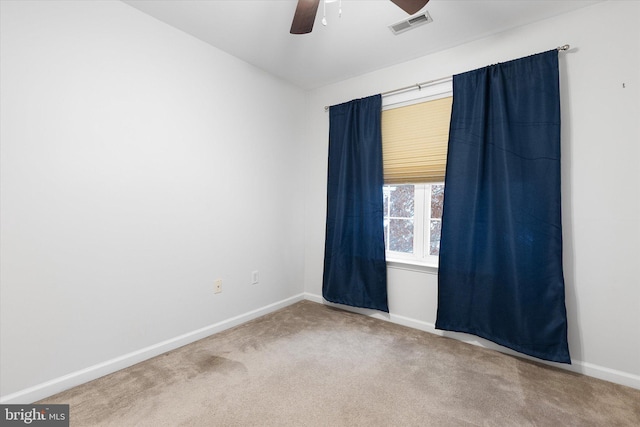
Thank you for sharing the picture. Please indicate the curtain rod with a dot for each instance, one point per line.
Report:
(430, 82)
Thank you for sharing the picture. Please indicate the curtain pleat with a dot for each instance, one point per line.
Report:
(500, 268)
(355, 271)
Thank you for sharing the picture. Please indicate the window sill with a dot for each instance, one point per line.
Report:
(412, 265)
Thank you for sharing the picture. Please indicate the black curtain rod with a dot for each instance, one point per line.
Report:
(430, 82)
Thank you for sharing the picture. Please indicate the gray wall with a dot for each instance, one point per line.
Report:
(138, 166)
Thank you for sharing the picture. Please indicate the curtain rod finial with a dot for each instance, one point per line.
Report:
(564, 47)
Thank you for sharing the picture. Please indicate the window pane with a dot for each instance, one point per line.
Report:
(385, 199)
(437, 198)
(434, 242)
(401, 235)
(402, 197)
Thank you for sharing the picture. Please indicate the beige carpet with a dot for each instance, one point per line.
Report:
(312, 365)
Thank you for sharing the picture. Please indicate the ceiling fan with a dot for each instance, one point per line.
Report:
(306, 10)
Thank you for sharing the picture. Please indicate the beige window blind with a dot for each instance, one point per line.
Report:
(414, 142)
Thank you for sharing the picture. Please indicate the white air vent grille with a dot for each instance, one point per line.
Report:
(410, 23)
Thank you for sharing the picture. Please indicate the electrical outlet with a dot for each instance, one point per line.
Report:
(217, 286)
(254, 278)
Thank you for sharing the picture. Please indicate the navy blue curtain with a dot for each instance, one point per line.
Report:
(355, 271)
(500, 269)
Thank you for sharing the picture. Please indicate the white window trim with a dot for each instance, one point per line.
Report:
(412, 265)
(422, 220)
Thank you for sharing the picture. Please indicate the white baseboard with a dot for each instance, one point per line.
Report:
(57, 385)
(578, 366)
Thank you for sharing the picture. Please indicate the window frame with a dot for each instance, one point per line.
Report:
(421, 231)
(436, 90)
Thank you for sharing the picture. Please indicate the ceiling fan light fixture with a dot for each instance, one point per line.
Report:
(305, 13)
(410, 23)
(324, 10)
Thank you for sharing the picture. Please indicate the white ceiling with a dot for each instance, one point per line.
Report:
(257, 31)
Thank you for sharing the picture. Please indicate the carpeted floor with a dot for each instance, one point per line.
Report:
(313, 365)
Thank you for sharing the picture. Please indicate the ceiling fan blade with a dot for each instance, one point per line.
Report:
(304, 17)
(410, 6)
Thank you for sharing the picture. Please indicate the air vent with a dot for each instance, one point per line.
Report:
(410, 23)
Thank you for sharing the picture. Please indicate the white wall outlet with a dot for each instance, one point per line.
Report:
(217, 286)
(254, 278)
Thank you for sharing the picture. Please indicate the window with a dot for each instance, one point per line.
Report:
(414, 146)
(412, 221)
